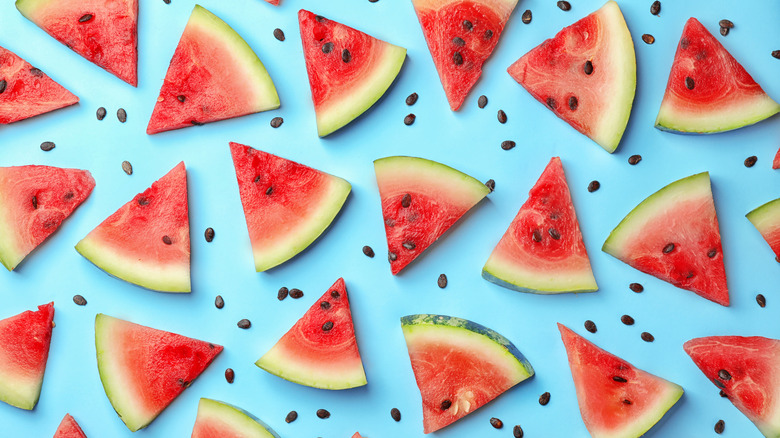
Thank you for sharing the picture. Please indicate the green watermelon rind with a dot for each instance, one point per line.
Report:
(301, 373)
(242, 422)
(760, 109)
(422, 168)
(765, 217)
(532, 282)
(10, 257)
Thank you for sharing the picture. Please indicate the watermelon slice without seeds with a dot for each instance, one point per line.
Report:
(586, 75)
(26, 91)
(766, 219)
(147, 241)
(104, 33)
(69, 429)
(674, 235)
(286, 205)
(421, 200)
(143, 369)
(747, 370)
(320, 350)
(34, 201)
(542, 251)
(461, 36)
(616, 399)
(220, 420)
(708, 90)
(24, 350)
(459, 366)
(214, 75)
(348, 70)
(776, 161)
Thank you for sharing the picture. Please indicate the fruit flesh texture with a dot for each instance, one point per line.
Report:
(68, 428)
(766, 219)
(220, 420)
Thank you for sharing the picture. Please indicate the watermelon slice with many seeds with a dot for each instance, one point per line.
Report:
(217, 419)
(461, 36)
(34, 201)
(26, 91)
(459, 366)
(68, 428)
(348, 70)
(674, 235)
(103, 32)
(747, 370)
(213, 75)
(24, 350)
(766, 219)
(616, 399)
(144, 369)
(320, 350)
(421, 200)
(586, 75)
(542, 251)
(147, 241)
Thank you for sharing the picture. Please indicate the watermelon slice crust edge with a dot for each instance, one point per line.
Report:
(217, 419)
(766, 219)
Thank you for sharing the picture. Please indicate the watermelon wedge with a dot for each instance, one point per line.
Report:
(776, 161)
(214, 75)
(26, 91)
(674, 235)
(421, 200)
(766, 219)
(459, 366)
(348, 70)
(616, 399)
(273, 2)
(217, 419)
(320, 350)
(105, 33)
(144, 369)
(287, 205)
(34, 201)
(24, 350)
(147, 241)
(586, 75)
(747, 370)
(461, 36)
(357, 435)
(69, 429)
(542, 251)
(708, 90)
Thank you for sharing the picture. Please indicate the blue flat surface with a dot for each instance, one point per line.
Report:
(468, 140)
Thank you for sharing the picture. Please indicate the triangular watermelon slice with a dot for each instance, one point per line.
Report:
(421, 200)
(708, 90)
(461, 36)
(103, 32)
(674, 235)
(273, 2)
(286, 205)
(26, 91)
(459, 366)
(24, 350)
(214, 75)
(217, 419)
(69, 429)
(542, 251)
(747, 371)
(147, 241)
(144, 369)
(34, 201)
(616, 399)
(320, 350)
(586, 75)
(776, 161)
(766, 219)
(348, 69)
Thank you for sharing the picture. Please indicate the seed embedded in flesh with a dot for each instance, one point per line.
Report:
(573, 103)
(269, 190)
(334, 294)
(668, 248)
(457, 58)
(409, 245)
(327, 47)
(544, 399)
(167, 240)
(445, 405)
(551, 103)
(181, 98)
(368, 251)
(406, 200)
(488, 34)
(590, 326)
(467, 25)
(327, 326)
(588, 67)
(626, 401)
(655, 8)
(527, 16)
(391, 256)
(724, 375)
(537, 235)
(711, 253)
(36, 72)
(619, 379)
(554, 233)
(325, 305)
(3, 84)
(346, 56)
(689, 83)
(86, 17)
(458, 41)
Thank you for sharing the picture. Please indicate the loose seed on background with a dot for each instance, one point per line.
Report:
(244, 324)
(395, 414)
(496, 423)
(279, 34)
(291, 416)
(127, 167)
(491, 184)
(219, 302)
(720, 426)
(634, 159)
(728, 24)
(655, 8)
(322, 413)
(724, 31)
(564, 5)
(209, 234)
(3, 84)
(627, 320)
(517, 431)
(230, 375)
(167, 2)
(593, 186)
(590, 326)
(761, 300)
(276, 122)
(411, 99)
(101, 113)
(79, 300)
(46, 146)
(368, 251)
(507, 145)
(636, 287)
(501, 116)
(442, 281)
(544, 399)
(527, 16)
(647, 337)
(409, 119)
(282, 294)
(296, 293)
(776, 54)
(121, 114)
(483, 100)
(750, 161)
(648, 39)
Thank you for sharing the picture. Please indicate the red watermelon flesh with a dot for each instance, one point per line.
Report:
(461, 36)
(34, 201)
(766, 219)
(747, 370)
(616, 399)
(217, 419)
(104, 32)
(273, 2)
(320, 350)
(69, 429)
(357, 435)
(26, 91)
(24, 350)
(776, 161)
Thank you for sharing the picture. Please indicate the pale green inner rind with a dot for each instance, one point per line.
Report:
(357, 101)
(766, 217)
(238, 420)
(716, 118)
(320, 218)
(310, 374)
(438, 179)
(649, 417)
(20, 392)
(28, 8)
(507, 274)
(149, 275)
(10, 255)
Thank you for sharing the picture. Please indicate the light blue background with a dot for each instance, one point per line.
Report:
(467, 140)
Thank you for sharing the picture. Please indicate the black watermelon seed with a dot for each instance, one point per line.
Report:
(409, 119)
(689, 83)
(230, 375)
(517, 431)
(587, 67)
(491, 184)
(244, 324)
(167, 2)
(395, 414)
(723, 394)
(496, 423)
(467, 25)
(750, 161)
(219, 302)
(368, 251)
(296, 293)
(36, 72)
(291, 416)
(279, 34)
(711, 253)
(536, 235)
(593, 186)
(327, 326)
(551, 103)
(573, 103)
(3, 84)
(488, 34)
(276, 122)
(391, 256)
(445, 405)
(648, 39)
(442, 281)
(69, 195)
(458, 41)
(334, 294)
(325, 305)
(776, 54)
(634, 159)
(483, 100)
(323, 414)
(167, 240)
(101, 113)
(724, 31)
(282, 294)
(269, 190)
(655, 8)
(668, 248)
(647, 337)
(684, 43)
(327, 47)
(127, 167)
(590, 326)
(720, 426)
(724, 375)
(554, 234)
(346, 56)
(373, 1)
(544, 399)
(409, 245)
(507, 145)
(718, 383)
(626, 401)
(527, 16)
(761, 300)
(79, 300)
(181, 98)
(728, 24)
(143, 200)
(411, 99)
(46, 146)
(636, 287)
(209, 234)
(319, 18)
(627, 320)
(564, 5)
(501, 116)
(619, 379)
(121, 114)
(406, 200)
(457, 58)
